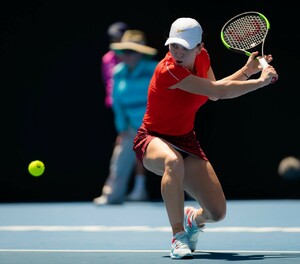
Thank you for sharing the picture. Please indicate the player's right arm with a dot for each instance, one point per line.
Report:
(225, 89)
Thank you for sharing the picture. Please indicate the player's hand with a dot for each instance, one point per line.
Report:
(269, 74)
(253, 66)
(268, 59)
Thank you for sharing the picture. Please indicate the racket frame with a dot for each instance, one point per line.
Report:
(247, 51)
(263, 62)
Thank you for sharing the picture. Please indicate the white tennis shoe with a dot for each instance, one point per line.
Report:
(191, 230)
(180, 248)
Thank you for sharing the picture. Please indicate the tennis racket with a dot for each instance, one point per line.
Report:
(245, 33)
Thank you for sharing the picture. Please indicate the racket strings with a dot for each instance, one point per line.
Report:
(245, 32)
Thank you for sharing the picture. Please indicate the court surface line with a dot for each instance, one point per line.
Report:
(145, 229)
(149, 251)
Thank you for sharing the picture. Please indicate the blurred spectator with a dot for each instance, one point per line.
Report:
(110, 59)
(131, 78)
(289, 168)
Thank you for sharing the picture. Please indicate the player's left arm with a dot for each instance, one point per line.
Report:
(251, 67)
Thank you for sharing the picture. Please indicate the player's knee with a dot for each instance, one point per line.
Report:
(218, 216)
(174, 164)
(218, 213)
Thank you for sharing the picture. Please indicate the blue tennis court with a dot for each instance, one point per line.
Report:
(254, 231)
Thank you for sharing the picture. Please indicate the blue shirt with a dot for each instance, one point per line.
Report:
(130, 92)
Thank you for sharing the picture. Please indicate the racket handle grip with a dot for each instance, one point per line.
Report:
(265, 64)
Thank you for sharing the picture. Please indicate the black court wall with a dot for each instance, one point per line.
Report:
(52, 98)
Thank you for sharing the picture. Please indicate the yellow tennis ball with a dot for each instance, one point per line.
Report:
(36, 168)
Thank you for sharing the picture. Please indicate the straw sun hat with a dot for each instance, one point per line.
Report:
(134, 40)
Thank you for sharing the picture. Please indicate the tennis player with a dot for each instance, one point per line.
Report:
(166, 142)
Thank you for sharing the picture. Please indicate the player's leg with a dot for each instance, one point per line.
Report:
(162, 159)
(202, 183)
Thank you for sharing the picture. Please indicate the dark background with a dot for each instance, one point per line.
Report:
(52, 97)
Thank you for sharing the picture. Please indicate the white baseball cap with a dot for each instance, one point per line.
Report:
(186, 32)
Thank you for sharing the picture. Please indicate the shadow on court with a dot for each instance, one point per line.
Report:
(144, 257)
(231, 256)
(242, 257)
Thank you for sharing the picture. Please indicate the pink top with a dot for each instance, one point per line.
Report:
(109, 60)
